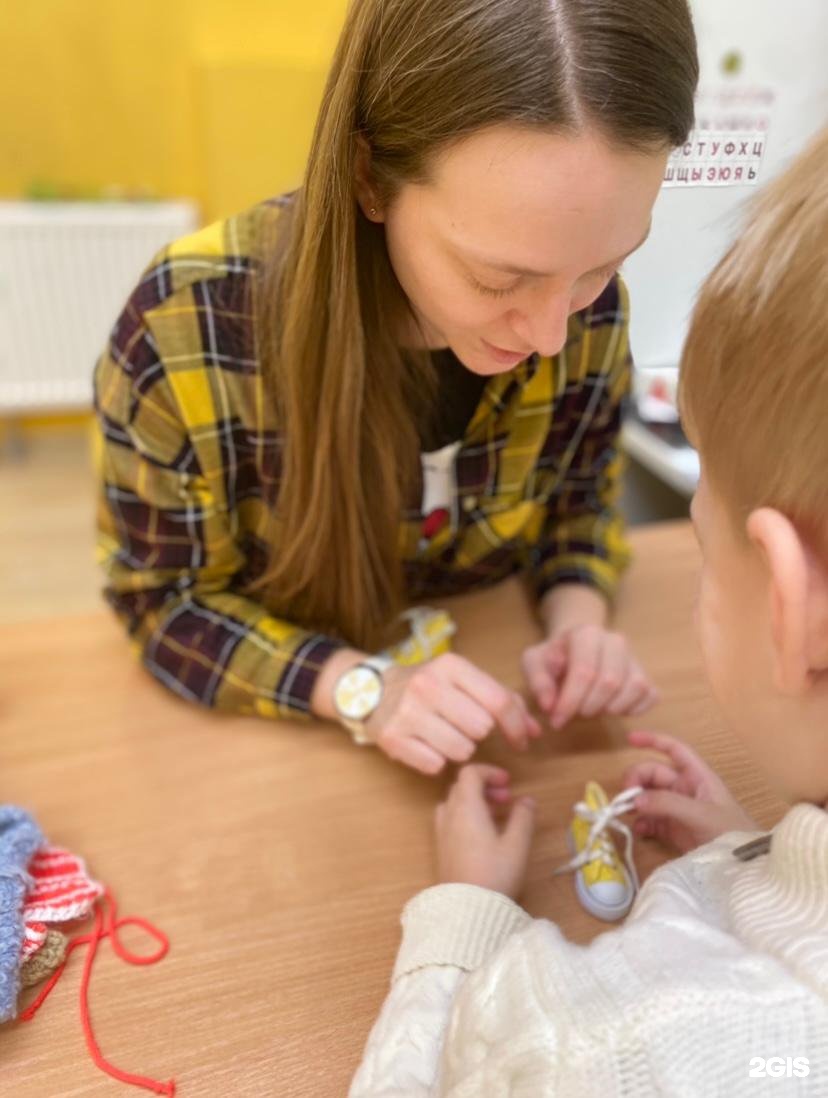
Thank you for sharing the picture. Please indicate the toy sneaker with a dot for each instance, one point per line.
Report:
(605, 883)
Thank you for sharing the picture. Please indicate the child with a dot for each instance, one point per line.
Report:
(720, 976)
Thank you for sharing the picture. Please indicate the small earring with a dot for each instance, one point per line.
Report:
(373, 211)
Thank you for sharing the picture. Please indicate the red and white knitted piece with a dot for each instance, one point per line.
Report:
(61, 890)
(34, 938)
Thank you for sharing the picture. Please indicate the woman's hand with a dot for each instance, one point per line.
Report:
(586, 670)
(438, 712)
(684, 802)
(471, 848)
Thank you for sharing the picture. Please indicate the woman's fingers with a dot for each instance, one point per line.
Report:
(584, 648)
(416, 754)
(441, 710)
(650, 698)
(462, 711)
(533, 725)
(636, 694)
(507, 707)
(539, 677)
(613, 676)
(444, 738)
(554, 654)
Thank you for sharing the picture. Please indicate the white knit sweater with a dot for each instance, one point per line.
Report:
(720, 962)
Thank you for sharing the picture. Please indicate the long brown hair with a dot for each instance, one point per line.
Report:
(409, 77)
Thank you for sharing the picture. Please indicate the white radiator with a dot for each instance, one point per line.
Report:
(66, 270)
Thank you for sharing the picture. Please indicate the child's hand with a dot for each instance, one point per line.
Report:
(471, 849)
(584, 671)
(684, 802)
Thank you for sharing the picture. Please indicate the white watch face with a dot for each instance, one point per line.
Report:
(358, 693)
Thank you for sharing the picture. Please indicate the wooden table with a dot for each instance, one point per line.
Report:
(278, 857)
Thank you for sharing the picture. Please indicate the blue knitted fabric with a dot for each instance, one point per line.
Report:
(19, 839)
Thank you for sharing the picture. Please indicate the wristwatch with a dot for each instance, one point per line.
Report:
(357, 694)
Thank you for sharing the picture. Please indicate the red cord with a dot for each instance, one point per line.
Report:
(92, 939)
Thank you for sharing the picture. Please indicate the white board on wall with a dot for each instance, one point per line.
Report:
(783, 48)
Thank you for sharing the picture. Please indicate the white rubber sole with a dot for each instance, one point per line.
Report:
(609, 913)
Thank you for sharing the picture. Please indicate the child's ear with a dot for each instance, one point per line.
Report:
(798, 589)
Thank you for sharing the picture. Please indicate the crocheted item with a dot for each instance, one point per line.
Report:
(33, 939)
(57, 889)
(46, 960)
(19, 838)
(61, 889)
(107, 925)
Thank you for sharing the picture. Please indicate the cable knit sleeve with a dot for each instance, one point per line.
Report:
(448, 931)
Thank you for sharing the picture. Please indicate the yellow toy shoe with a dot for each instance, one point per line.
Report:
(605, 884)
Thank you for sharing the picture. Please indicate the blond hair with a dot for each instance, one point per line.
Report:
(754, 373)
(409, 78)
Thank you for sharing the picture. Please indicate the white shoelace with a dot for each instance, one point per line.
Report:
(602, 820)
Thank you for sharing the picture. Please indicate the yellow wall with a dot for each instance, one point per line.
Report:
(209, 98)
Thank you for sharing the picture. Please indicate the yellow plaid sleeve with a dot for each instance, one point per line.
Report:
(169, 540)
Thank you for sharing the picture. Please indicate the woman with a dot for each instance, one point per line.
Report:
(403, 380)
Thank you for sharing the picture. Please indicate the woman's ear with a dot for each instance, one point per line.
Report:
(798, 592)
(366, 191)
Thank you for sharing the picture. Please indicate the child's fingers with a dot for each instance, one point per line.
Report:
(652, 829)
(476, 780)
(483, 773)
(498, 794)
(662, 831)
(650, 774)
(517, 834)
(666, 805)
(679, 753)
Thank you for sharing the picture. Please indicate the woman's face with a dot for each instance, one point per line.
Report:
(515, 230)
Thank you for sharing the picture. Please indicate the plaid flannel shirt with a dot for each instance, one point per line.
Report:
(188, 455)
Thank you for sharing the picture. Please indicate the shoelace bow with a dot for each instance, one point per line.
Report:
(602, 820)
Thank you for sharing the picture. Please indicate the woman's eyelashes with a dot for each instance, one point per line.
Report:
(603, 276)
(494, 291)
